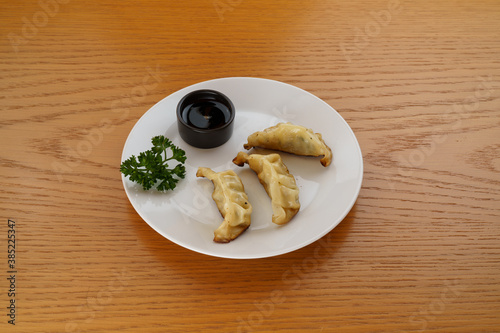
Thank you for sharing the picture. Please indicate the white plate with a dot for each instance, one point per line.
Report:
(188, 216)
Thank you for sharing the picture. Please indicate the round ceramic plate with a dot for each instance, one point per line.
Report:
(188, 215)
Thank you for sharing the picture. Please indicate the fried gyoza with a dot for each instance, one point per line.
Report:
(232, 202)
(279, 183)
(293, 139)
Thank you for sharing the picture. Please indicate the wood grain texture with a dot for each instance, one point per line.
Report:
(418, 82)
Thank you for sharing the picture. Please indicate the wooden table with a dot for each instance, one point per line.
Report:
(417, 81)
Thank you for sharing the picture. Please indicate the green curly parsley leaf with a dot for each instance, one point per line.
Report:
(150, 167)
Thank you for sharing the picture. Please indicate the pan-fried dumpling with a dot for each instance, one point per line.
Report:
(232, 202)
(293, 139)
(279, 183)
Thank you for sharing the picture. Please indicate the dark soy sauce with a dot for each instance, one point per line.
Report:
(206, 114)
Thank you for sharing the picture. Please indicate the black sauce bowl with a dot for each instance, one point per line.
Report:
(205, 118)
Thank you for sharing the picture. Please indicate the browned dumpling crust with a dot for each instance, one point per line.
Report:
(232, 202)
(293, 139)
(278, 182)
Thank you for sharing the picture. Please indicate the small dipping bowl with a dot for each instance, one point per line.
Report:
(205, 118)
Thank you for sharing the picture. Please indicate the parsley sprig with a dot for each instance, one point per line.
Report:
(151, 166)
